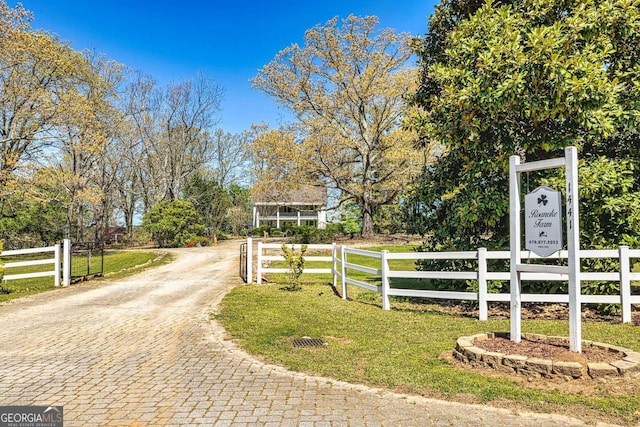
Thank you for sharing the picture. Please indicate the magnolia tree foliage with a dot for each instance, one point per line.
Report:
(37, 214)
(528, 78)
(238, 217)
(346, 87)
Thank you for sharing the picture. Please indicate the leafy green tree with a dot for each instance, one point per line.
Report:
(528, 78)
(610, 216)
(33, 224)
(240, 196)
(351, 219)
(609, 203)
(397, 217)
(34, 213)
(173, 223)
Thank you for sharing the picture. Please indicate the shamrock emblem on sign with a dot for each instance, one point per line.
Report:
(543, 200)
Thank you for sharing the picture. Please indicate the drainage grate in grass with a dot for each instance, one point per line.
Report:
(308, 342)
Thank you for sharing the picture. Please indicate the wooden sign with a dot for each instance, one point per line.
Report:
(543, 221)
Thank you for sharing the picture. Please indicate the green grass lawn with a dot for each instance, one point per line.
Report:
(402, 349)
(116, 264)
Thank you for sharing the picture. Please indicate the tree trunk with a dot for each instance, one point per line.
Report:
(367, 220)
(128, 221)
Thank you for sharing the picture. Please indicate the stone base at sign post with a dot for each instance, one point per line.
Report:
(546, 356)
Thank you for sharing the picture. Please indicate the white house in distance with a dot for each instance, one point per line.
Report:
(306, 205)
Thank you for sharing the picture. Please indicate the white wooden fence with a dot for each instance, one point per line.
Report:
(341, 268)
(265, 259)
(55, 262)
(482, 275)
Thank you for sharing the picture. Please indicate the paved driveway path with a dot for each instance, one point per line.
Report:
(144, 352)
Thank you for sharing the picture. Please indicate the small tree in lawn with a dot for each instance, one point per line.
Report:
(295, 263)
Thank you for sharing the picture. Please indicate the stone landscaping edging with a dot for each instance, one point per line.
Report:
(466, 351)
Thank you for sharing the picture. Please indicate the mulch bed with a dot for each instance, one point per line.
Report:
(554, 351)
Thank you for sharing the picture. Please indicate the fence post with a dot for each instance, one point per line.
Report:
(343, 271)
(334, 264)
(66, 262)
(482, 284)
(56, 263)
(249, 260)
(89, 250)
(259, 266)
(384, 270)
(625, 284)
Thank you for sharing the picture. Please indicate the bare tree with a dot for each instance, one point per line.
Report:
(172, 127)
(85, 133)
(229, 157)
(189, 111)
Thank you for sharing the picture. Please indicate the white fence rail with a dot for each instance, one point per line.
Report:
(341, 267)
(55, 262)
(482, 276)
(265, 259)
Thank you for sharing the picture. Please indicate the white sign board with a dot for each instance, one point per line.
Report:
(543, 221)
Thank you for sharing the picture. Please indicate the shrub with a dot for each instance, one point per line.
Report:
(307, 234)
(259, 231)
(173, 224)
(198, 241)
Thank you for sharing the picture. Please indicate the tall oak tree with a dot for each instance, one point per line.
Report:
(346, 87)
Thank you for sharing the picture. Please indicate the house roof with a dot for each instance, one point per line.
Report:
(300, 195)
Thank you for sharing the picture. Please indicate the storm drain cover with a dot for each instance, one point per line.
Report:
(308, 342)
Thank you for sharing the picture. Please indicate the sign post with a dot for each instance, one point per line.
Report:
(543, 230)
(573, 247)
(514, 238)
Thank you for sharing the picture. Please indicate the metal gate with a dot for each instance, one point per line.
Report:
(243, 262)
(87, 261)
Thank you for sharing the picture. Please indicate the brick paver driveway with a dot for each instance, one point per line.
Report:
(144, 352)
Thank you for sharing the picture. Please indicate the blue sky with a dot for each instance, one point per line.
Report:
(228, 40)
